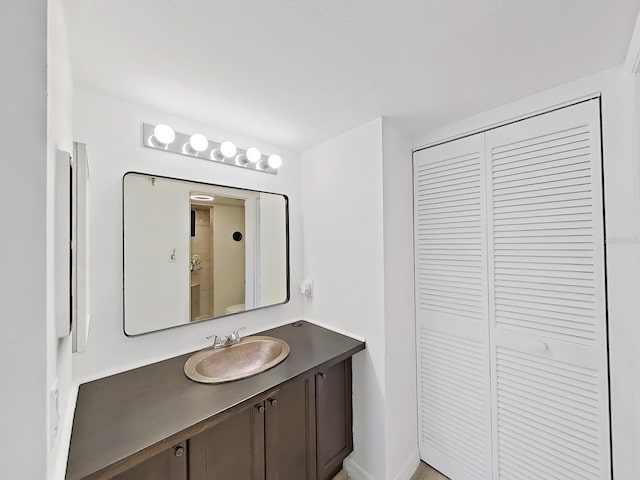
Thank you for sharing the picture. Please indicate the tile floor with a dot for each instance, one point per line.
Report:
(429, 473)
(425, 472)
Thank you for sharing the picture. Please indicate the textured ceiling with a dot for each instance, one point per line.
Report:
(295, 72)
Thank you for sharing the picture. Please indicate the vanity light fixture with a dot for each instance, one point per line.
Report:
(163, 137)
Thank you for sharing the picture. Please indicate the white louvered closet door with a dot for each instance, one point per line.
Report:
(451, 308)
(547, 309)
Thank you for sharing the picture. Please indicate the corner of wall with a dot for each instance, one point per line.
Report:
(59, 136)
(343, 248)
(371, 166)
(410, 465)
(400, 353)
(354, 470)
(632, 60)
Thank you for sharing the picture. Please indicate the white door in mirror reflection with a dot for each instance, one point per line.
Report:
(217, 257)
(194, 251)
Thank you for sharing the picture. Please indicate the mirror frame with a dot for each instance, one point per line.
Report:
(164, 177)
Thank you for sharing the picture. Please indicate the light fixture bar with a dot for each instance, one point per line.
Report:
(194, 146)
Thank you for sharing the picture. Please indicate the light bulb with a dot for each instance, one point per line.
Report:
(253, 155)
(228, 149)
(274, 161)
(164, 134)
(198, 142)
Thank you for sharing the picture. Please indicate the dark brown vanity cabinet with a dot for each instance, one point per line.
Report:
(334, 438)
(232, 449)
(290, 427)
(292, 422)
(301, 431)
(170, 464)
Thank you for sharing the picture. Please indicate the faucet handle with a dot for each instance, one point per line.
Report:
(217, 340)
(236, 333)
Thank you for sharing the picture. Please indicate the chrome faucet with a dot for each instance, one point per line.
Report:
(231, 339)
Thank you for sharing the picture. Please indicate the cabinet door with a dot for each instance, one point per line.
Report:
(168, 465)
(230, 450)
(290, 432)
(334, 425)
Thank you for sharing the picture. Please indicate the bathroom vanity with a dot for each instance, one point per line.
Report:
(290, 422)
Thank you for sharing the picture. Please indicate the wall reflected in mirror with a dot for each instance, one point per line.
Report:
(194, 251)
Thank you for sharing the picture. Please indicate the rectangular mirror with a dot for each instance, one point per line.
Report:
(194, 251)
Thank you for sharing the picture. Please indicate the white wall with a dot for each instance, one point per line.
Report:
(636, 339)
(400, 327)
(112, 130)
(622, 205)
(23, 284)
(358, 250)
(59, 136)
(343, 254)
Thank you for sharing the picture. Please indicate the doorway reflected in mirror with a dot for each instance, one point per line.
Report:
(216, 254)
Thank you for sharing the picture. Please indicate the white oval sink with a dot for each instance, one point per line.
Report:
(251, 356)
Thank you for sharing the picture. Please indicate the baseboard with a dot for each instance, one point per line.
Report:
(58, 470)
(355, 471)
(409, 467)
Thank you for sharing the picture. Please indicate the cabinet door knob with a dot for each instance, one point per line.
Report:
(260, 408)
(178, 451)
(322, 375)
(273, 401)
